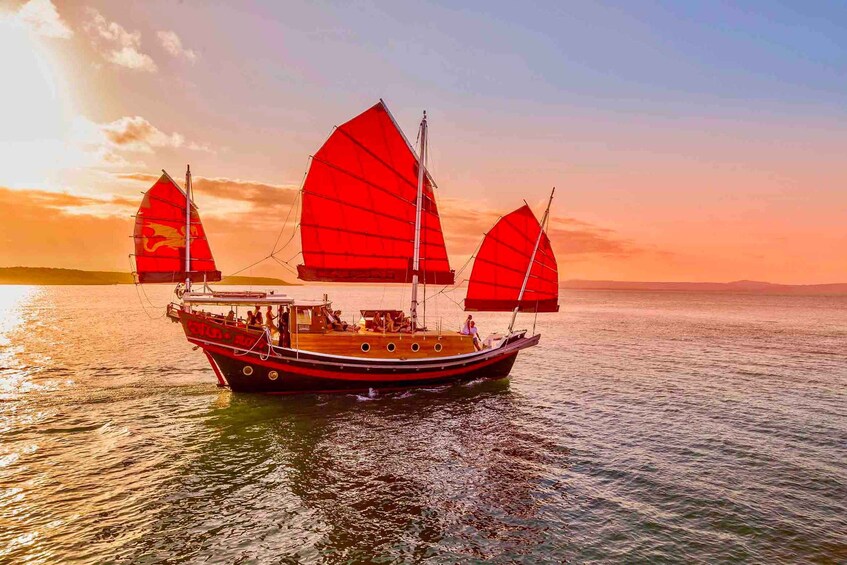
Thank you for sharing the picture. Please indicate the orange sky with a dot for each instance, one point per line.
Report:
(680, 185)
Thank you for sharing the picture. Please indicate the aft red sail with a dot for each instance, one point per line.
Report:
(359, 201)
(501, 263)
(160, 238)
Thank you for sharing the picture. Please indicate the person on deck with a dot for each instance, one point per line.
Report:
(284, 335)
(251, 319)
(389, 322)
(339, 324)
(231, 316)
(466, 328)
(378, 323)
(477, 344)
(403, 323)
(258, 319)
(269, 319)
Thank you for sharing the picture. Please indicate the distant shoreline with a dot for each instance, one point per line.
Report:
(747, 287)
(46, 276)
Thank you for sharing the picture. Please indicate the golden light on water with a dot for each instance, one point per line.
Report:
(14, 317)
(12, 302)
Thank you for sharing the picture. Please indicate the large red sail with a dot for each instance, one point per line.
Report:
(501, 264)
(359, 202)
(160, 238)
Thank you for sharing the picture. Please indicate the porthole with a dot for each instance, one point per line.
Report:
(391, 347)
(247, 370)
(366, 347)
(273, 375)
(416, 347)
(438, 347)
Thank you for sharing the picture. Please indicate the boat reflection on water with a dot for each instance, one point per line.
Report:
(353, 478)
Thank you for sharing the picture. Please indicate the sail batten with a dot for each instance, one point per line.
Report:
(159, 238)
(358, 209)
(503, 263)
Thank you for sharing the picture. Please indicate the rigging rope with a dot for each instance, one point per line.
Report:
(137, 293)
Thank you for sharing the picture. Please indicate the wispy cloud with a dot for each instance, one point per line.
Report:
(465, 224)
(173, 44)
(263, 203)
(135, 133)
(41, 228)
(42, 17)
(117, 45)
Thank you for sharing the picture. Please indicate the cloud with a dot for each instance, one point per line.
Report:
(173, 44)
(42, 18)
(117, 45)
(40, 228)
(75, 204)
(464, 226)
(135, 133)
(257, 202)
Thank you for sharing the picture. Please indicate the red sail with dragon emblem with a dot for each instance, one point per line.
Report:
(160, 238)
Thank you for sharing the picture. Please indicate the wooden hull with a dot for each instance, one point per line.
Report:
(247, 363)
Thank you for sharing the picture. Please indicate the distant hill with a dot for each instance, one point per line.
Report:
(754, 287)
(48, 276)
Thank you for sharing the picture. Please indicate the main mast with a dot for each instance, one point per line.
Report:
(531, 260)
(416, 261)
(188, 228)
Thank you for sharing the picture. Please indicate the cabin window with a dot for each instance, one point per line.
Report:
(438, 347)
(273, 375)
(391, 347)
(416, 347)
(304, 319)
(366, 347)
(247, 370)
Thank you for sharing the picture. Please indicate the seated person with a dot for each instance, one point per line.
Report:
(231, 316)
(257, 319)
(477, 344)
(251, 319)
(379, 325)
(466, 327)
(339, 324)
(402, 323)
(389, 323)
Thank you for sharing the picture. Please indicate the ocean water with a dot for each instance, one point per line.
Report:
(646, 427)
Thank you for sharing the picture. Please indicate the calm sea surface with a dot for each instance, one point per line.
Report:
(660, 427)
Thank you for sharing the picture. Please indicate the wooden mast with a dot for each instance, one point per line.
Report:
(416, 262)
(188, 228)
(531, 260)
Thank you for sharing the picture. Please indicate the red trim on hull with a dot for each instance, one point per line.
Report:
(260, 379)
(423, 375)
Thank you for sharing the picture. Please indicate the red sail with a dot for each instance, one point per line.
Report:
(501, 263)
(359, 200)
(160, 238)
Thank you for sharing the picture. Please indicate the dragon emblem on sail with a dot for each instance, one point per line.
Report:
(165, 236)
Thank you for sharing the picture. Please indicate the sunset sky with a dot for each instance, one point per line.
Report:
(687, 141)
